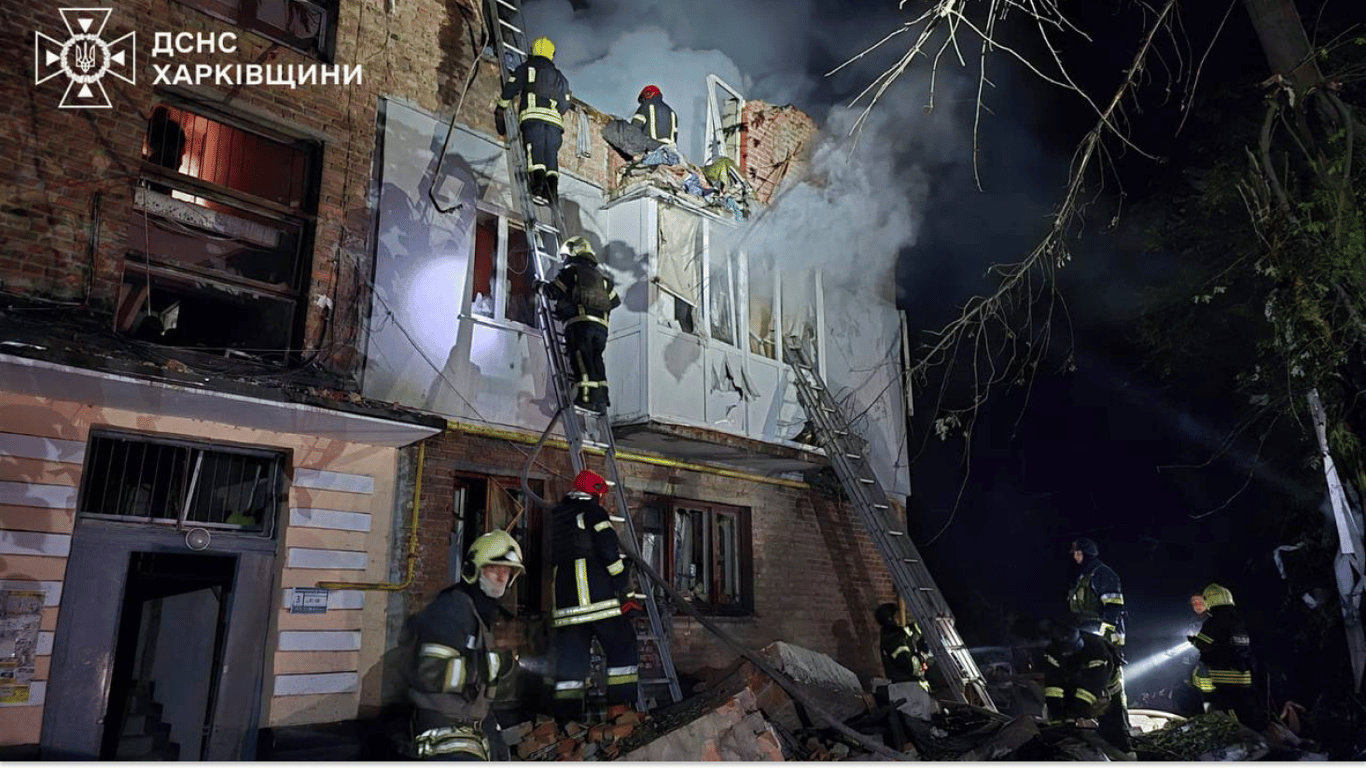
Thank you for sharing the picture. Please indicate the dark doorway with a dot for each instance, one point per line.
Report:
(168, 653)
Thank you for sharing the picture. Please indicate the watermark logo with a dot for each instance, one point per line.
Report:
(85, 58)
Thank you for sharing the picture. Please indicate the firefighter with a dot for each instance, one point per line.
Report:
(584, 296)
(1082, 682)
(1096, 600)
(591, 600)
(1225, 672)
(543, 99)
(454, 665)
(905, 658)
(656, 119)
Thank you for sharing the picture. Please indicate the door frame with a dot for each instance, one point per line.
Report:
(88, 619)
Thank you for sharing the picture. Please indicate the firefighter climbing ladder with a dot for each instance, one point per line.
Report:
(848, 455)
(511, 43)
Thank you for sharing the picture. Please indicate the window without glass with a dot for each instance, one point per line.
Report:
(484, 503)
(680, 266)
(710, 556)
(180, 483)
(721, 292)
(305, 25)
(762, 297)
(221, 245)
(504, 275)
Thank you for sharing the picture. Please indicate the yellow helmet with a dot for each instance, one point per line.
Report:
(1216, 595)
(578, 245)
(542, 46)
(493, 548)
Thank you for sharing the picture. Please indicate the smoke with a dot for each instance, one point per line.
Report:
(864, 198)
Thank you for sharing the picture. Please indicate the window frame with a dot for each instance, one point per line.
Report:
(532, 591)
(500, 276)
(246, 19)
(142, 267)
(90, 475)
(669, 507)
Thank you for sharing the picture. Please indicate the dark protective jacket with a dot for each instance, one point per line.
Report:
(453, 668)
(657, 120)
(563, 290)
(1225, 650)
(588, 571)
(1081, 684)
(904, 654)
(1097, 601)
(542, 92)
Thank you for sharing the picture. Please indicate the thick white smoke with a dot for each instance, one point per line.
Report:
(861, 204)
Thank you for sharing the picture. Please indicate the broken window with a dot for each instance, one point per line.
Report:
(762, 297)
(305, 25)
(504, 275)
(710, 555)
(680, 268)
(721, 291)
(486, 503)
(800, 302)
(725, 121)
(182, 483)
(220, 254)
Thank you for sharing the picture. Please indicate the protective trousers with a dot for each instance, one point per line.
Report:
(587, 341)
(1113, 723)
(543, 156)
(572, 647)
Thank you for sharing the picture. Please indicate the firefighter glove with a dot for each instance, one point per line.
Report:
(500, 121)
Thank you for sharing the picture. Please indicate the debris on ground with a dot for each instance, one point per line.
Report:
(1211, 736)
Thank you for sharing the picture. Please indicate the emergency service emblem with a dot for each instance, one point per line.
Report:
(85, 58)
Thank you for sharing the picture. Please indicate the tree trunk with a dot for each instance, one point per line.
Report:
(1284, 42)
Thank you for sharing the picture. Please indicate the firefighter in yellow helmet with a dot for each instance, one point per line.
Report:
(584, 296)
(1225, 672)
(454, 665)
(542, 95)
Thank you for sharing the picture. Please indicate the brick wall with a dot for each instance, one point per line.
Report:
(817, 576)
(775, 146)
(56, 161)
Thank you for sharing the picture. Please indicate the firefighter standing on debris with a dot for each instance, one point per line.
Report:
(591, 600)
(905, 658)
(655, 118)
(543, 99)
(454, 666)
(1096, 602)
(1224, 675)
(1082, 682)
(584, 296)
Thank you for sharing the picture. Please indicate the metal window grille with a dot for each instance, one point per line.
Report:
(174, 483)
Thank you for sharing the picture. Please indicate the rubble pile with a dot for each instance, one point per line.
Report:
(543, 739)
(1211, 736)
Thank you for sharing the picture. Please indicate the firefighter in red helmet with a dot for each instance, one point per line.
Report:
(656, 118)
(591, 600)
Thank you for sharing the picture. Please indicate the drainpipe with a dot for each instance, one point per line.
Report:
(412, 540)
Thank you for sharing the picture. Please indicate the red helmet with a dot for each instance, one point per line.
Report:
(649, 92)
(590, 482)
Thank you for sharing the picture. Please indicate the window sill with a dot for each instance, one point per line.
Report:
(502, 325)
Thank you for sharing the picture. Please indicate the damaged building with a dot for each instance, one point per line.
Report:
(269, 362)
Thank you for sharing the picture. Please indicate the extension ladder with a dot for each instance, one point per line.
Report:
(581, 427)
(848, 455)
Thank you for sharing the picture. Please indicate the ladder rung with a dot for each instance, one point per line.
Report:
(514, 49)
(616, 518)
(896, 533)
(507, 5)
(511, 26)
(842, 432)
(910, 560)
(854, 456)
(655, 681)
(881, 507)
(866, 480)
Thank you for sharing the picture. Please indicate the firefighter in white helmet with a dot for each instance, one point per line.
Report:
(454, 665)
